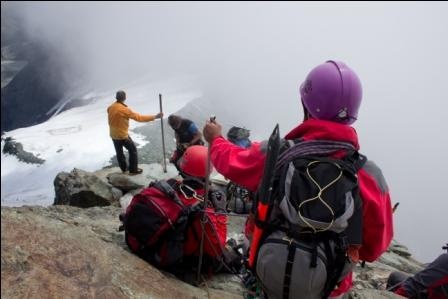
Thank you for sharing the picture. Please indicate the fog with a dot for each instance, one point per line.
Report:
(253, 56)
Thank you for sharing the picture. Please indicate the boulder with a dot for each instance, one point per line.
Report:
(126, 182)
(68, 252)
(84, 189)
(15, 148)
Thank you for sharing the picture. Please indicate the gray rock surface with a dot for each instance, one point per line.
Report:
(68, 252)
(84, 189)
(64, 251)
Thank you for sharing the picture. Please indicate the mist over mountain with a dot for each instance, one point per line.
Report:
(36, 79)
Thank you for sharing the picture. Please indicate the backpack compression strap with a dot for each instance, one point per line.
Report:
(288, 269)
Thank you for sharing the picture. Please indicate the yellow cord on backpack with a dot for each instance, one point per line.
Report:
(321, 190)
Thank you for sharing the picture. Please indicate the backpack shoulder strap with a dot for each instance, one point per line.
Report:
(286, 144)
(356, 159)
(168, 190)
(362, 159)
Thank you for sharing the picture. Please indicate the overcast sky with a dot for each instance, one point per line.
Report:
(253, 56)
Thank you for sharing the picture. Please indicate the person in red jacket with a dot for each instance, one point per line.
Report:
(331, 96)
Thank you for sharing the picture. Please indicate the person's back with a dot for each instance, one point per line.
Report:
(119, 114)
(185, 130)
(118, 117)
(186, 134)
(331, 96)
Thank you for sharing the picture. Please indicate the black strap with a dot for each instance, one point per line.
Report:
(288, 269)
(361, 161)
(356, 159)
(336, 266)
(313, 263)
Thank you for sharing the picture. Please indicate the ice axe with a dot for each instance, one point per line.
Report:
(265, 199)
(203, 220)
(163, 135)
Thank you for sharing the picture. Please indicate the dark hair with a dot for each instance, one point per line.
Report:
(120, 96)
(174, 119)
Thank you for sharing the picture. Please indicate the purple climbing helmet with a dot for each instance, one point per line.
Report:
(332, 91)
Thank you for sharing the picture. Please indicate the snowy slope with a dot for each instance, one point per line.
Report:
(80, 138)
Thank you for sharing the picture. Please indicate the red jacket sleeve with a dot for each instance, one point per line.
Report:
(240, 165)
(377, 213)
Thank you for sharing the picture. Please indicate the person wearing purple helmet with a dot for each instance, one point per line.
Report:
(331, 96)
(336, 81)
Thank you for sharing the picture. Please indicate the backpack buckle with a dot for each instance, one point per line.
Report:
(343, 242)
(287, 239)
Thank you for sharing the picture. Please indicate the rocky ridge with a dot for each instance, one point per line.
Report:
(69, 251)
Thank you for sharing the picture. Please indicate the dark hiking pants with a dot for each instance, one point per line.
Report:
(132, 150)
(178, 153)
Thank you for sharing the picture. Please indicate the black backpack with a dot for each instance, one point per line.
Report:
(316, 214)
(239, 136)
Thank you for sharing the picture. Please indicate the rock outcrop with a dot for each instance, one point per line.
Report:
(84, 189)
(108, 186)
(15, 148)
(69, 252)
(64, 251)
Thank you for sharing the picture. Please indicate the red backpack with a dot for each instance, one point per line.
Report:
(165, 229)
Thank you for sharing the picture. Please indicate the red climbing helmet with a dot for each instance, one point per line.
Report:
(332, 91)
(194, 161)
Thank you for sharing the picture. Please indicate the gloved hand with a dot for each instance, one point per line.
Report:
(218, 199)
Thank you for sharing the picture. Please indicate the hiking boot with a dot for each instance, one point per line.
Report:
(139, 170)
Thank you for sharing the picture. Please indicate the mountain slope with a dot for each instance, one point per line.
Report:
(79, 137)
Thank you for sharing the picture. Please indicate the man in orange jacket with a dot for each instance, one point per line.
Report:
(119, 115)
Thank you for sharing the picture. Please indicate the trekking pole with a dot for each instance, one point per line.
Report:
(204, 216)
(163, 135)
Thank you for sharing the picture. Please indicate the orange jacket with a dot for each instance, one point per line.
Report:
(119, 115)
